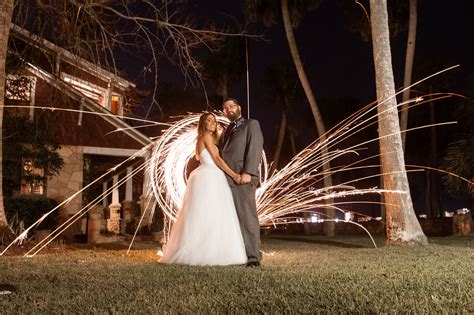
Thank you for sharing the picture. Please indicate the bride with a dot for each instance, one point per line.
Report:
(207, 230)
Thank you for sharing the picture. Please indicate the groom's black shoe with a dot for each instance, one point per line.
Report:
(253, 264)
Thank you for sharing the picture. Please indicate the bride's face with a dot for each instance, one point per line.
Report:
(211, 123)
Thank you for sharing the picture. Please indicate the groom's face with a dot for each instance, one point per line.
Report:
(231, 110)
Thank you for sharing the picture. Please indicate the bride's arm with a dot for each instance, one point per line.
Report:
(196, 155)
(212, 149)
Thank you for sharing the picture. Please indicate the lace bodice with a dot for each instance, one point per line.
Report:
(206, 158)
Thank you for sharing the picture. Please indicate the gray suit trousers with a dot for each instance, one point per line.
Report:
(244, 199)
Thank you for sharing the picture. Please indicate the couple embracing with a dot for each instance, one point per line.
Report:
(218, 223)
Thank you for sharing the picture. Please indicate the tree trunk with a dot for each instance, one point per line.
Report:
(329, 226)
(428, 209)
(402, 224)
(279, 144)
(410, 53)
(6, 11)
(435, 200)
(432, 198)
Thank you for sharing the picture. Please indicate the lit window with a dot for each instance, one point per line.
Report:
(18, 88)
(32, 182)
(115, 104)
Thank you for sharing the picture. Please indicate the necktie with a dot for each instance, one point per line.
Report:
(229, 131)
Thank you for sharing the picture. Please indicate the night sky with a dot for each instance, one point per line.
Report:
(339, 64)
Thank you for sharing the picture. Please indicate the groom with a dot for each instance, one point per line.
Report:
(242, 148)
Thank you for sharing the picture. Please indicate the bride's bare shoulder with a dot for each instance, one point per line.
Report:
(207, 139)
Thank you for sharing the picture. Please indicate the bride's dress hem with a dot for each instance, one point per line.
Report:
(207, 231)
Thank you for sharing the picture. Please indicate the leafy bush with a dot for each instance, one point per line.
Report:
(26, 210)
(459, 160)
(32, 140)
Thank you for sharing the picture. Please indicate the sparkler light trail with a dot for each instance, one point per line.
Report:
(282, 195)
(286, 192)
(169, 161)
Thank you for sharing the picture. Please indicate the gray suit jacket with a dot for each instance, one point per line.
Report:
(242, 149)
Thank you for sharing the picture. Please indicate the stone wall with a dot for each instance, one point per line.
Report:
(67, 183)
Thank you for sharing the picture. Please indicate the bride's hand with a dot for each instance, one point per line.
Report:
(237, 178)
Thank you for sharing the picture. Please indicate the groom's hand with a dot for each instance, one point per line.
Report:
(236, 179)
(245, 178)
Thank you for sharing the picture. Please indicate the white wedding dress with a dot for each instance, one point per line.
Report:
(207, 230)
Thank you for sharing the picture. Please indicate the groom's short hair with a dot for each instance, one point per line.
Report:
(230, 99)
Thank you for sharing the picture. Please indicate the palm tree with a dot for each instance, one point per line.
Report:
(410, 53)
(433, 196)
(6, 12)
(402, 224)
(358, 21)
(268, 10)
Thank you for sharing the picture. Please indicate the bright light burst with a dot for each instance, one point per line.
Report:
(169, 160)
(286, 192)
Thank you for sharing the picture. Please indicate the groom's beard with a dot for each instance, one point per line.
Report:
(233, 115)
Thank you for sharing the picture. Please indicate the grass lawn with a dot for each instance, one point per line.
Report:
(299, 275)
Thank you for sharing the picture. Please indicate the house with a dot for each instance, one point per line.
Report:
(90, 123)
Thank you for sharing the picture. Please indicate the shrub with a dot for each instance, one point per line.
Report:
(27, 210)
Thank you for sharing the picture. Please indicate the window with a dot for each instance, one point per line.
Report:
(32, 179)
(116, 104)
(19, 88)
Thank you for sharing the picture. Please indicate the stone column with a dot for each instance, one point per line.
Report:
(129, 184)
(113, 223)
(104, 191)
(128, 204)
(146, 205)
(94, 223)
(462, 223)
(68, 182)
(128, 210)
(146, 201)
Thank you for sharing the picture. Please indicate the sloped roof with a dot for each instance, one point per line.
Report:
(47, 46)
(74, 94)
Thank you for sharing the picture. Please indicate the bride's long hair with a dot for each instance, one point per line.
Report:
(202, 126)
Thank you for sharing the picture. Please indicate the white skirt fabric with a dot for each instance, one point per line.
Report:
(207, 230)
